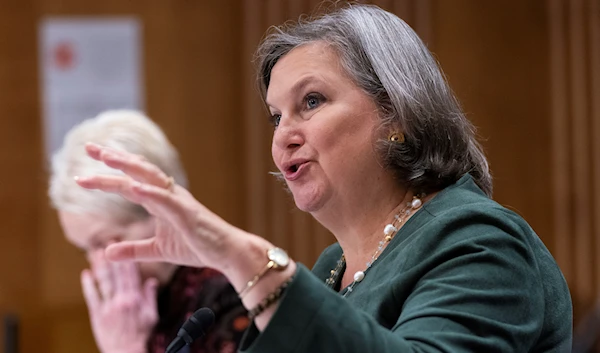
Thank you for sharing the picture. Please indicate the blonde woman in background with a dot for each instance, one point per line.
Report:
(134, 308)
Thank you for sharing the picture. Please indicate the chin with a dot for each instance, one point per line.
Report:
(309, 208)
(309, 202)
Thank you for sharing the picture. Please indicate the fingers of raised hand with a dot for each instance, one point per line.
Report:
(138, 250)
(110, 183)
(127, 276)
(103, 273)
(90, 293)
(125, 297)
(136, 166)
(150, 293)
(116, 184)
(125, 186)
(163, 204)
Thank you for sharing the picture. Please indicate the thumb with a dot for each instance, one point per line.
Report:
(137, 250)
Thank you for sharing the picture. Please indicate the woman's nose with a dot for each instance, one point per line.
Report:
(288, 134)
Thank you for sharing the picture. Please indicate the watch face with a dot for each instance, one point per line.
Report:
(279, 256)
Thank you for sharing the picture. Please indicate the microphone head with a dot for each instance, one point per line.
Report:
(199, 323)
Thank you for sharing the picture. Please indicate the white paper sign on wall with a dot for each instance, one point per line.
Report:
(88, 65)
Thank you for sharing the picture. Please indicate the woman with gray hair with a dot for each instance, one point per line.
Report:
(133, 308)
(372, 143)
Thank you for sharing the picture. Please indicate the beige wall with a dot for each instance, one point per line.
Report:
(525, 71)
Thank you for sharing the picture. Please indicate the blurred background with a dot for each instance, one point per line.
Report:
(526, 71)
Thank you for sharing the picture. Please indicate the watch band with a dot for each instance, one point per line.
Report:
(254, 280)
(272, 264)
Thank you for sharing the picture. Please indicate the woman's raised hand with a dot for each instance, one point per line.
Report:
(122, 307)
(187, 233)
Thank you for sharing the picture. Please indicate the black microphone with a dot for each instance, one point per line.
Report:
(195, 327)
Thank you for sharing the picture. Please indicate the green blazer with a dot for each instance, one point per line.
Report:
(464, 274)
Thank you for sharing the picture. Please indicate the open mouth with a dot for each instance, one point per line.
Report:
(294, 171)
(293, 168)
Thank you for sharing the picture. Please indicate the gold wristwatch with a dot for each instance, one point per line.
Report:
(278, 260)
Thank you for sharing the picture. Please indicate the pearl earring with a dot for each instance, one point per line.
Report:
(396, 137)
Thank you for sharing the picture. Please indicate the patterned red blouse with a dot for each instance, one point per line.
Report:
(189, 290)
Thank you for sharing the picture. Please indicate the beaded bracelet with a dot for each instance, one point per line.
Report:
(269, 300)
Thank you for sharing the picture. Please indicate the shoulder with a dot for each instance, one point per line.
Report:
(463, 210)
(468, 246)
(462, 221)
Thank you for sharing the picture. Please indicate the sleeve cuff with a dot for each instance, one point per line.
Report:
(296, 310)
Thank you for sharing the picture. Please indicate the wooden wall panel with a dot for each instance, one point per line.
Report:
(495, 57)
(20, 158)
(560, 150)
(594, 67)
(574, 37)
(19, 136)
(580, 140)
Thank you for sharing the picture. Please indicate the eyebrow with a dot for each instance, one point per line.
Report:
(299, 86)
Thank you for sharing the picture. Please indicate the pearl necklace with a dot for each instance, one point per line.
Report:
(389, 232)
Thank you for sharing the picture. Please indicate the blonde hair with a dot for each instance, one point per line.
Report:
(125, 130)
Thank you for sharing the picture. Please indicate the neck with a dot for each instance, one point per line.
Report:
(360, 232)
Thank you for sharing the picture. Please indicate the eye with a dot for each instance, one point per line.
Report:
(313, 100)
(274, 119)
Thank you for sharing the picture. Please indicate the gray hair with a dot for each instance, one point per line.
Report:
(390, 63)
(125, 130)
